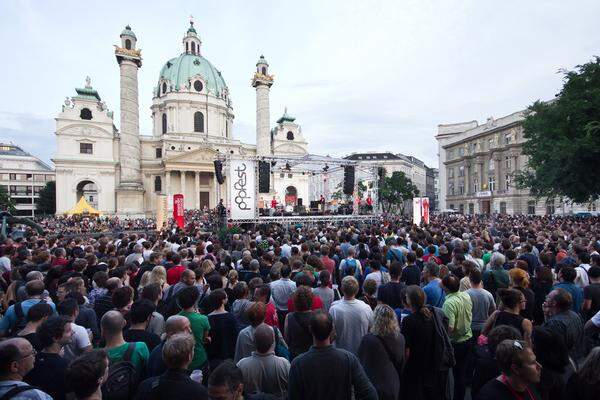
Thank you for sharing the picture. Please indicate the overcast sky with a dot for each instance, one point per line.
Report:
(357, 75)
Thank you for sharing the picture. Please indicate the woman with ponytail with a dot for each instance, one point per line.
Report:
(419, 332)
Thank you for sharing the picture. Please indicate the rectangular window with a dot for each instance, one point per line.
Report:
(29, 177)
(49, 178)
(461, 188)
(461, 151)
(508, 163)
(461, 208)
(475, 184)
(39, 178)
(491, 183)
(290, 175)
(461, 171)
(531, 207)
(503, 207)
(490, 143)
(450, 154)
(158, 152)
(37, 189)
(507, 180)
(507, 138)
(450, 172)
(282, 175)
(86, 148)
(13, 177)
(471, 208)
(22, 200)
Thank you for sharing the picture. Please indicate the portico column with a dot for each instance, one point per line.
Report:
(167, 183)
(197, 190)
(182, 173)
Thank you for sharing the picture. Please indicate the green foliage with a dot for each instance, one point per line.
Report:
(395, 190)
(47, 201)
(6, 203)
(563, 139)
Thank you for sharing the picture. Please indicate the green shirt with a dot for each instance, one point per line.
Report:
(458, 308)
(200, 325)
(139, 357)
(486, 258)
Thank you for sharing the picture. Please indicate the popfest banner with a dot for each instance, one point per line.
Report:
(242, 189)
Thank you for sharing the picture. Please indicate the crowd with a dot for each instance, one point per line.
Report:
(481, 307)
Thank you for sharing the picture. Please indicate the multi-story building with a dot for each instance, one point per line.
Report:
(477, 166)
(431, 187)
(23, 176)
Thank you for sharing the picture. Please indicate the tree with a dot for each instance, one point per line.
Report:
(47, 201)
(6, 203)
(563, 139)
(395, 190)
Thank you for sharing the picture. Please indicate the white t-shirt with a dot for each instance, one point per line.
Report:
(79, 341)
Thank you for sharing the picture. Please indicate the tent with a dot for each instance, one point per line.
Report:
(83, 208)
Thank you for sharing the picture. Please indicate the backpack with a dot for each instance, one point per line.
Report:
(169, 306)
(21, 318)
(350, 269)
(123, 378)
(15, 391)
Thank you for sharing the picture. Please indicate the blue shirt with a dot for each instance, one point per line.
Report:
(434, 293)
(10, 318)
(395, 254)
(576, 294)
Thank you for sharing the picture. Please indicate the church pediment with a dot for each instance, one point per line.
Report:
(289, 148)
(192, 157)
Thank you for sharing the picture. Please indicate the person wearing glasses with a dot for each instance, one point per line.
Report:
(17, 358)
(520, 373)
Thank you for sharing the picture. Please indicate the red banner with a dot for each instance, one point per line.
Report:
(178, 209)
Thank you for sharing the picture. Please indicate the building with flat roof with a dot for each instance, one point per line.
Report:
(23, 175)
(477, 166)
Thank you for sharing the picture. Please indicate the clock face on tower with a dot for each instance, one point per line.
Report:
(198, 86)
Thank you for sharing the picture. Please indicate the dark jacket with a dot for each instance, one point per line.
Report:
(172, 385)
(312, 376)
(383, 363)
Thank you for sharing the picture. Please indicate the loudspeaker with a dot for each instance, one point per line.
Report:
(299, 201)
(348, 179)
(264, 176)
(219, 172)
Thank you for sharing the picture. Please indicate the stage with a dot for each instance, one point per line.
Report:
(307, 219)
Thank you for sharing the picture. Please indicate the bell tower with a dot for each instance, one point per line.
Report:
(262, 81)
(130, 191)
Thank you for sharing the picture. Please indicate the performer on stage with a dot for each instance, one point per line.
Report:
(322, 203)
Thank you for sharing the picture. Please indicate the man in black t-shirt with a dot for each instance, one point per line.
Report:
(520, 373)
(591, 293)
(393, 292)
(139, 316)
(411, 274)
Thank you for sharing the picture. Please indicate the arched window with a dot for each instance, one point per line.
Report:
(164, 88)
(164, 123)
(193, 47)
(128, 44)
(264, 70)
(86, 113)
(157, 184)
(198, 122)
(187, 47)
(290, 135)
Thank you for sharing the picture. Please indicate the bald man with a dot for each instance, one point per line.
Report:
(174, 325)
(17, 358)
(112, 325)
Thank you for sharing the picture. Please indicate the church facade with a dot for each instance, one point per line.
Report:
(120, 171)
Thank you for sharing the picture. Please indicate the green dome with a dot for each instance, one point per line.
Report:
(179, 70)
(128, 32)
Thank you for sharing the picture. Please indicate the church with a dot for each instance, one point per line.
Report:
(120, 171)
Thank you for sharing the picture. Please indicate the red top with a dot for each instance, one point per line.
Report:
(271, 315)
(317, 304)
(428, 256)
(174, 274)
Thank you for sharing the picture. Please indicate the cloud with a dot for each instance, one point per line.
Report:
(32, 133)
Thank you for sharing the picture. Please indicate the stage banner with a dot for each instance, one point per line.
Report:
(178, 209)
(425, 209)
(417, 211)
(421, 210)
(242, 189)
(161, 211)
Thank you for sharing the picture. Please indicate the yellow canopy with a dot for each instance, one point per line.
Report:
(83, 207)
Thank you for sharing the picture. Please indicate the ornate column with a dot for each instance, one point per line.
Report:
(167, 183)
(197, 185)
(182, 174)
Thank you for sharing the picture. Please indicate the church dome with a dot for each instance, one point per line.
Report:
(179, 71)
